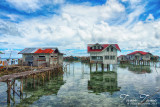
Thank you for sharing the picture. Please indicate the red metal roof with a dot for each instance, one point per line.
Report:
(44, 51)
(103, 45)
(141, 52)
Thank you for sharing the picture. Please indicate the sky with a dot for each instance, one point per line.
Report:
(72, 24)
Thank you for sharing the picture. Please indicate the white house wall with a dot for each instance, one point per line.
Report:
(105, 53)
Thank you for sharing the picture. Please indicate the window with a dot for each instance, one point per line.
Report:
(97, 57)
(94, 47)
(112, 57)
(111, 49)
(93, 57)
(106, 57)
(107, 49)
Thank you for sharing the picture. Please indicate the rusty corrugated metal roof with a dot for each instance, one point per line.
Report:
(37, 50)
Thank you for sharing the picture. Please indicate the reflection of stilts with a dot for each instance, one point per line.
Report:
(82, 67)
(73, 68)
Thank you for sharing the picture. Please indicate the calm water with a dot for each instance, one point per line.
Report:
(122, 86)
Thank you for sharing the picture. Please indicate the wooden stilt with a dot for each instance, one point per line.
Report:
(108, 67)
(14, 88)
(90, 67)
(8, 92)
(102, 67)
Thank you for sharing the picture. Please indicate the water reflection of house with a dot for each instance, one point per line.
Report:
(103, 82)
(41, 56)
(139, 69)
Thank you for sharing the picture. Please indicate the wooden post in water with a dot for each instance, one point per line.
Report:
(108, 67)
(90, 67)
(8, 92)
(13, 88)
(102, 67)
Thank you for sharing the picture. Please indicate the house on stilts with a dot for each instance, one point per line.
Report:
(139, 58)
(47, 57)
(103, 53)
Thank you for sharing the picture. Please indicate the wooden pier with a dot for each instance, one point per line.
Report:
(39, 74)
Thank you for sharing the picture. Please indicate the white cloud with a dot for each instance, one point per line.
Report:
(150, 18)
(78, 25)
(58, 1)
(25, 5)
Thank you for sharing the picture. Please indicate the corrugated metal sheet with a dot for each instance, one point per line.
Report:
(37, 50)
(28, 50)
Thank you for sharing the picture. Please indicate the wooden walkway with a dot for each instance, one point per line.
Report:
(23, 74)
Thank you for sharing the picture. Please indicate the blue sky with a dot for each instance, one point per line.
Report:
(72, 24)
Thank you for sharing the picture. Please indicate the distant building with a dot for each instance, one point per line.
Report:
(139, 55)
(41, 56)
(104, 53)
(122, 58)
(1, 62)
